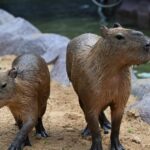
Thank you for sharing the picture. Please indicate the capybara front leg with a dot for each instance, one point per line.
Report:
(104, 122)
(116, 117)
(27, 141)
(22, 135)
(93, 124)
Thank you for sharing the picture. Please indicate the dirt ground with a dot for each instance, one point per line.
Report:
(64, 121)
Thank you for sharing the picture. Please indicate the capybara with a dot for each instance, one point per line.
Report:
(25, 90)
(98, 67)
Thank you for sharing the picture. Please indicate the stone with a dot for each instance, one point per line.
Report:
(144, 107)
(5, 17)
(18, 36)
(141, 90)
(136, 139)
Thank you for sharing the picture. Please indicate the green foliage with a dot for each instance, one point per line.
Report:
(130, 130)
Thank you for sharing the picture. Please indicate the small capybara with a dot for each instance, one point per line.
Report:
(25, 89)
(98, 67)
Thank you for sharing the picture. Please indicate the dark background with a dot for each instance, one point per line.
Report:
(53, 8)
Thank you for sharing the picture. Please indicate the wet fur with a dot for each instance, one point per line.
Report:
(28, 92)
(100, 76)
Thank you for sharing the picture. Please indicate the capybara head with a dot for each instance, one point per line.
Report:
(126, 46)
(7, 85)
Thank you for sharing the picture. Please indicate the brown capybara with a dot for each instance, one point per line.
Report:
(98, 67)
(25, 90)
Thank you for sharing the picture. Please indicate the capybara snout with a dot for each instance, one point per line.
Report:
(147, 46)
(6, 86)
(126, 45)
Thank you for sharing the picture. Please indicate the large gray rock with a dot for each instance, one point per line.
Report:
(18, 26)
(141, 89)
(14, 34)
(5, 17)
(18, 36)
(57, 53)
(143, 107)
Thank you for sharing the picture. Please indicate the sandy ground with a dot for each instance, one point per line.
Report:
(64, 120)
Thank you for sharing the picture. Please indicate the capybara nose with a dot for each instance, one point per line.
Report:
(147, 46)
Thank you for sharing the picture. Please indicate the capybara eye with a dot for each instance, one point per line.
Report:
(3, 85)
(119, 37)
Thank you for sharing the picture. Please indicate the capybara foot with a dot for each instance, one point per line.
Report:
(40, 134)
(116, 146)
(15, 147)
(40, 131)
(96, 146)
(104, 122)
(106, 127)
(86, 132)
(18, 146)
(27, 142)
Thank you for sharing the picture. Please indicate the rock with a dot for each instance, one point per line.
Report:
(136, 139)
(57, 51)
(141, 89)
(14, 34)
(18, 26)
(144, 107)
(132, 113)
(5, 17)
(18, 36)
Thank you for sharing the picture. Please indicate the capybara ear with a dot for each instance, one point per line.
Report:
(12, 73)
(116, 25)
(104, 31)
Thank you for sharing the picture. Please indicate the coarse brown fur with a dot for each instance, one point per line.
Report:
(26, 93)
(98, 68)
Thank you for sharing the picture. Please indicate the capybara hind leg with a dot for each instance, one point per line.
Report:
(93, 124)
(40, 131)
(22, 135)
(86, 131)
(104, 122)
(116, 117)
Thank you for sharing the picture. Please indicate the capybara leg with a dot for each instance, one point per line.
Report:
(43, 109)
(105, 124)
(86, 131)
(27, 141)
(93, 125)
(116, 117)
(40, 131)
(22, 135)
